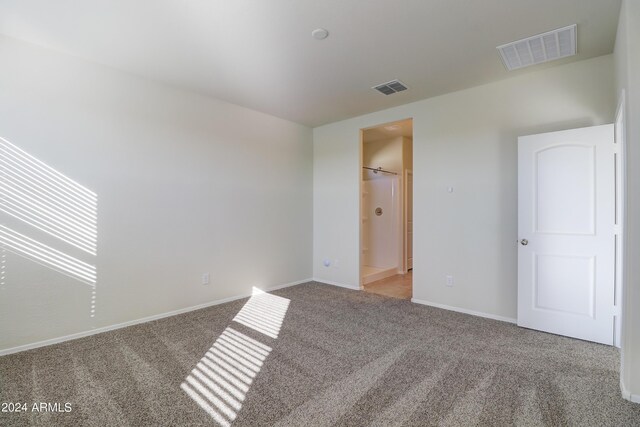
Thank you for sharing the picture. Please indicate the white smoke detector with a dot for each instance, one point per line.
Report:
(320, 34)
(544, 47)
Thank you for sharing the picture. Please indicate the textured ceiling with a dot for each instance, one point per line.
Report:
(260, 54)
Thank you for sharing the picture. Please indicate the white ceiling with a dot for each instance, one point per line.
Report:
(260, 53)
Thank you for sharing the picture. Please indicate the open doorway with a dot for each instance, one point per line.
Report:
(386, 209)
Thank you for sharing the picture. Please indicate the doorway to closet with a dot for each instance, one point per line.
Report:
(386, 209)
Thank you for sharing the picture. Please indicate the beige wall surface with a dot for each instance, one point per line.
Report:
(185, 185)
(466, 140)
(385, 153)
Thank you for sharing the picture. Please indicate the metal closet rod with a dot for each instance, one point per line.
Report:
(376, 170)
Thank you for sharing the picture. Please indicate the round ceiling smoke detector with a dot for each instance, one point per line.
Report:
(320, 34)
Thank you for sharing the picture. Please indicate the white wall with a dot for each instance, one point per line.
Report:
(384, 153)
(186, 184)
(627, 67)
(466, 140)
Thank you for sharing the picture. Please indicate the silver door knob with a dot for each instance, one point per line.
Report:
(524, 242)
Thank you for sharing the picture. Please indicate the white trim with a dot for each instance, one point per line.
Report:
(626, 394)
(342, 285)
(405, 219)
(620, 147)
(464, 310)
(138, 321)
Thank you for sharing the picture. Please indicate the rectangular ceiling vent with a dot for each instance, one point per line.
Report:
(541, 48)
(391, 87)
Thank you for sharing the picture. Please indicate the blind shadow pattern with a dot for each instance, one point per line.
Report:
(221, 380)
(47, 201)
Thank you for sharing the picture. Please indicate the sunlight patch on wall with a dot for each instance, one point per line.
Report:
(44, 200)
(42, 197)
(221, 380)
(3, 267)
(47, 256)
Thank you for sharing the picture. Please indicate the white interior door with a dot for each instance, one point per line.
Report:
(566, 207)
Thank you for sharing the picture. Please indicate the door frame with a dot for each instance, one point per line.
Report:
(360, 255)
(620, 151)
(405, 209)
(401, 176)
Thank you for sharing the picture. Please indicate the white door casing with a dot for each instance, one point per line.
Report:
(408, 211)
(620, 191)
(566, 207)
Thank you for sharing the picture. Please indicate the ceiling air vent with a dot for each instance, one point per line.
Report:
(544, 47)
(391, 87)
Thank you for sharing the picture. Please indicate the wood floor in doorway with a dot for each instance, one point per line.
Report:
(398, 286)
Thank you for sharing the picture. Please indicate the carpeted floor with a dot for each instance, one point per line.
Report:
(318, 355)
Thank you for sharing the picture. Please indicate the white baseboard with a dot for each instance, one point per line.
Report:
(342, 285)
(465, 311)
(138, 321)
(626, 394)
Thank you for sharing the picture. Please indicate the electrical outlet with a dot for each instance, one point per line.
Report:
(336, 263)
(449, 280)
(206, 278)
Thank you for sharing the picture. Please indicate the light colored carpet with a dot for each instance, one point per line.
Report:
(318, 355)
